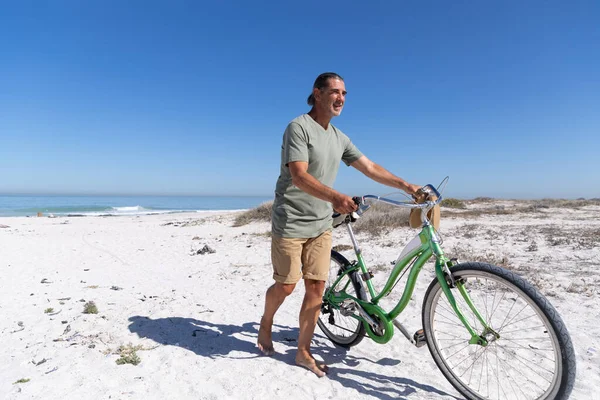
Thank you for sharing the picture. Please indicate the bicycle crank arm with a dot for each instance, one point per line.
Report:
(367, 317)
(418, 339)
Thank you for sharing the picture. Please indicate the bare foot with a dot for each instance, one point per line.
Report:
(307, 361)
(264, 343)
(322, 366)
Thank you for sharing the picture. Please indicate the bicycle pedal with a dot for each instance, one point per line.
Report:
(347, 307)
(419, 338)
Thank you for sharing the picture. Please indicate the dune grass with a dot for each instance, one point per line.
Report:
(453, 203)
(262, 213)
(382, 218)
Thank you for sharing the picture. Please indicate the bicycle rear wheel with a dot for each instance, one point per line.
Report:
(533, 356)
(335, 321)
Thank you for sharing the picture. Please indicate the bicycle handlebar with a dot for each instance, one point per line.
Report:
(429, 190)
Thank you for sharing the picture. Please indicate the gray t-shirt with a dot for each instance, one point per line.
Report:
(297, 214)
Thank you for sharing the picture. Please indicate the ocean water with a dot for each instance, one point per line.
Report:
(31, 205)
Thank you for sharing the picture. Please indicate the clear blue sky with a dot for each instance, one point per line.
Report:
(192, 97)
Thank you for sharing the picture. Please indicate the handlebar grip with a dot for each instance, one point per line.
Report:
(427, 191)
(434, 190)
(357, 200)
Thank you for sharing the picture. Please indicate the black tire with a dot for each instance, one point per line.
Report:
(533, 358)
(344, 331)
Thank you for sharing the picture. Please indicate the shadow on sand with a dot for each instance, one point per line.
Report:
(212, 340)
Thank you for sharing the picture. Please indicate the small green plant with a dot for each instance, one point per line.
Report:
(49, 310)
(131, 358)
(533, 246)
(266, 234)
(22, 380)
(453, 203)
(90, 308)
(128, 354)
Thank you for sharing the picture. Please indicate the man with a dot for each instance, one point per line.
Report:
(301, 230)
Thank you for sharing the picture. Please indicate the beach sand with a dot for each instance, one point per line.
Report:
(193, 318)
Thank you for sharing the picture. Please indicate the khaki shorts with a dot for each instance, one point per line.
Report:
(294, 259)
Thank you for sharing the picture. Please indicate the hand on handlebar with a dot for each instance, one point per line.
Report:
(427, 193)
(344, 204)
(413, 189)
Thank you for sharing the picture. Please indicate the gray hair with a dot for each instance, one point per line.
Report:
(321, 82)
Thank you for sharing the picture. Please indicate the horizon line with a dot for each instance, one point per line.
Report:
(108, 194)
(129, 194)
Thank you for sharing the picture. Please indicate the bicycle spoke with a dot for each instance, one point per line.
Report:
(484, 295)
(524, 329)
(521, 363)
(343, 330)
(453, 317)
(531, 366)
(516, 345)
(459, 351)
(511, 380)
(520, 320)
(448, 310)
(498, 378)
(454, 337)
(341, 327)
(497, 306)
(530, 381)
(449, 320)
(463, 343)
(474, 361)
(535, 352)
(505, 323)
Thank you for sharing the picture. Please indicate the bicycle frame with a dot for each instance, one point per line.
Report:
(414, 259)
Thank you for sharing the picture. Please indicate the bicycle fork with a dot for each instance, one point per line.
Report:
(444, 275)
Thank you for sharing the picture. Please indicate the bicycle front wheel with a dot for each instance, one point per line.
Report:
(335, 320)
(529, 354)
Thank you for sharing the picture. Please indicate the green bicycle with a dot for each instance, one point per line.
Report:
(491, 333)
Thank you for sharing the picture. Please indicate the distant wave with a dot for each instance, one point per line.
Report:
(120, 205)
(62, 209)
(90, 211)
(127, 210)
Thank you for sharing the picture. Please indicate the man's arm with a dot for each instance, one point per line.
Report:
(309, 184)
(381, 175)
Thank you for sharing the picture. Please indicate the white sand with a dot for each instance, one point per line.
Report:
(197, 316)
